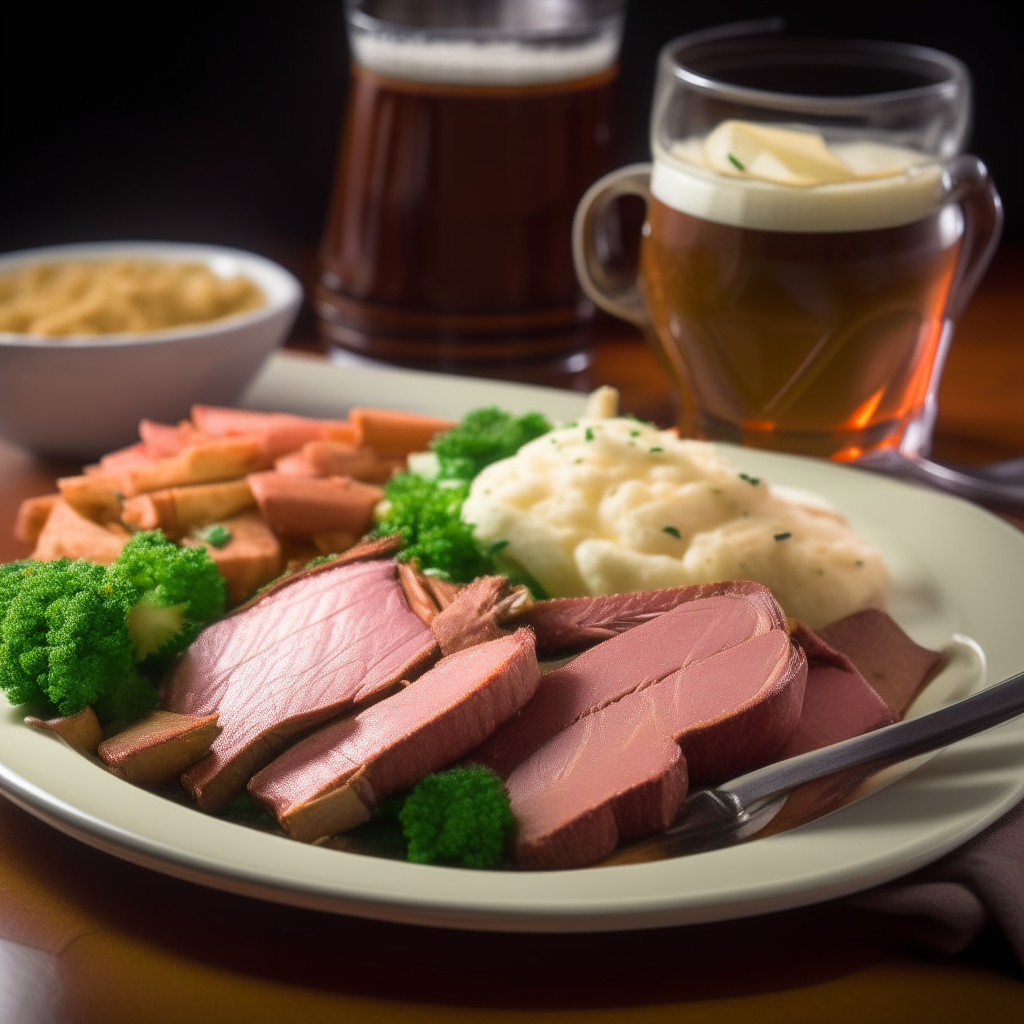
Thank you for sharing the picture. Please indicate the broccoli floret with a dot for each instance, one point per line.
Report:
(460, 816)
(179, 591)
(64, 640)
(484, 436)
(11, 574)
(427, 515)
(427, 512)
(75, 633)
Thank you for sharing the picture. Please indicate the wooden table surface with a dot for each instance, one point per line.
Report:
(87, 937)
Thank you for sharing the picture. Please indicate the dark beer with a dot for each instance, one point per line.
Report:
(448, 239)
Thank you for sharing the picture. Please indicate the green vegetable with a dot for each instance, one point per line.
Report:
(484, 436)
(460, 816)
(11, 574)
(74, 633)
(218, 535)
(427, 512)
(179, 590)
(64, 639)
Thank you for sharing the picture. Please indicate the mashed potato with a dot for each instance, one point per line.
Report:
(114, 296)
(612, 505)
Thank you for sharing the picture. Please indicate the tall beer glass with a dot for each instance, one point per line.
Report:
(473, 128)
(813, 231)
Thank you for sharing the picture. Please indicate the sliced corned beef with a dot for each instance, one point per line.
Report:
(628, 661)
(476, 613)
(621, 769)
(896, 667)
(307, 652)
(332, 779)
(840, 702)
(565, 625)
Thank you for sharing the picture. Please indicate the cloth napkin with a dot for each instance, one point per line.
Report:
(946, 905)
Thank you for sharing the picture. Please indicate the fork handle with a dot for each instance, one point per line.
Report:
(891, 743)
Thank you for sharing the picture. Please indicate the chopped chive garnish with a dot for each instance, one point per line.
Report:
(634, 433)
(653, 450)
(736, 163)
(672, 532)
(588, 434)
(752, 480)
(783, 536)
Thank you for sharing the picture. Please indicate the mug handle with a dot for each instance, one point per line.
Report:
(615, 292)
(965, 182)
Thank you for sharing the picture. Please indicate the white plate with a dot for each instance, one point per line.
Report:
(957, 569)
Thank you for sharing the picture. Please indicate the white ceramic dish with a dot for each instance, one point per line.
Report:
(84, 395)
(956, 569)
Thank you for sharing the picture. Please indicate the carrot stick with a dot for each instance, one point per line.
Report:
(300, 506)
(177, 510)
(225, 459)
(93, 495)
(280, 432)
(335, 458)
(394, 434)
(32, 516)
(251, 558)
(70, 535)
(166, 439)
(136, 454)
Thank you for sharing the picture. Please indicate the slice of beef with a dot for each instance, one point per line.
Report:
(896, 667)
(840, 702)
(313, 649)
(622, 769)
(566, 625)
(157, 749)
(420, 599)
(477, 613)
(331, 780)
(382, 547)
(627, 662)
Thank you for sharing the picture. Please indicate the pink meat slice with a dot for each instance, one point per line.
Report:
(838, 704)
(628, 661)
(330, 780)
(622, 770)
(896, 667)
(565, 625)
(306, 653)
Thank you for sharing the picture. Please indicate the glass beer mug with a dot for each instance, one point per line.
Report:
(813, 232)
(472, 129)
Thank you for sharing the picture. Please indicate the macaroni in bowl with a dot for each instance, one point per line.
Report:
(118, 296)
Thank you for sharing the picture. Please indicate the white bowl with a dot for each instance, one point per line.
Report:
(84, 395)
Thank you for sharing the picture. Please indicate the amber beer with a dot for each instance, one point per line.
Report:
(819, 342)
(448, 240)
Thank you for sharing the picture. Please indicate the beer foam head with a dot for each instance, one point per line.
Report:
(773, 178)
(483, 62)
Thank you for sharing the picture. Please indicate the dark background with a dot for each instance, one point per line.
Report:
(217, 122)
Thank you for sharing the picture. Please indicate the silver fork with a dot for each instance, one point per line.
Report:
(739, 809)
